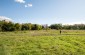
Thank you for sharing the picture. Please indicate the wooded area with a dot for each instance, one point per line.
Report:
(10, 26)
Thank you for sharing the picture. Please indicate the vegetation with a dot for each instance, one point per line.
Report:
(10, 26)
(51, 42)
(56, 26)
(41, 41)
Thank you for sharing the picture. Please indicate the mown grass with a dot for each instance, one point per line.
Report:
(50, 42)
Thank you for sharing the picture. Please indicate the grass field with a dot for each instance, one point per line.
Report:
(70, 42)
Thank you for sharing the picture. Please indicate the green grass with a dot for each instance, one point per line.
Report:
(70, 42)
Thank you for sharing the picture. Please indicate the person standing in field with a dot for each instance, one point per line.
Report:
(60, 31)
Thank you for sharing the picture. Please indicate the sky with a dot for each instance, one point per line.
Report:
(44, 11)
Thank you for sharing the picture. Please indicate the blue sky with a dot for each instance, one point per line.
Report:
(44, 11)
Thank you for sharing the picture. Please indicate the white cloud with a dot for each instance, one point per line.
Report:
(20, 1)
(23, 1)
(28, 5)
(5, 18)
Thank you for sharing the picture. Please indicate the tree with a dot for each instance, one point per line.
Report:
(36, 27)
(56, 26)
(29, 26)
(8, 26)
(1, 23)
(26, 26)
(17, 27)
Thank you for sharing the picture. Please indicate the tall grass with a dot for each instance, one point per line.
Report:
(50, 42)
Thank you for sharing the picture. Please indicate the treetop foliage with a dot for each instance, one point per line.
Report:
(10, 26)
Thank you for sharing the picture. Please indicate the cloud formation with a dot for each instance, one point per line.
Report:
(24, 2)
(20, 1)
(28, 5)
(5, 18)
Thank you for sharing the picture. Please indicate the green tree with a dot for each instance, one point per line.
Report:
(8, 26)
(1, 23)
(17, 27)
(29, 26)
(56, 26)
(36, 27)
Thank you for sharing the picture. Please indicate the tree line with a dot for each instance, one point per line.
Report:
(68, 27)
(10, 26)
